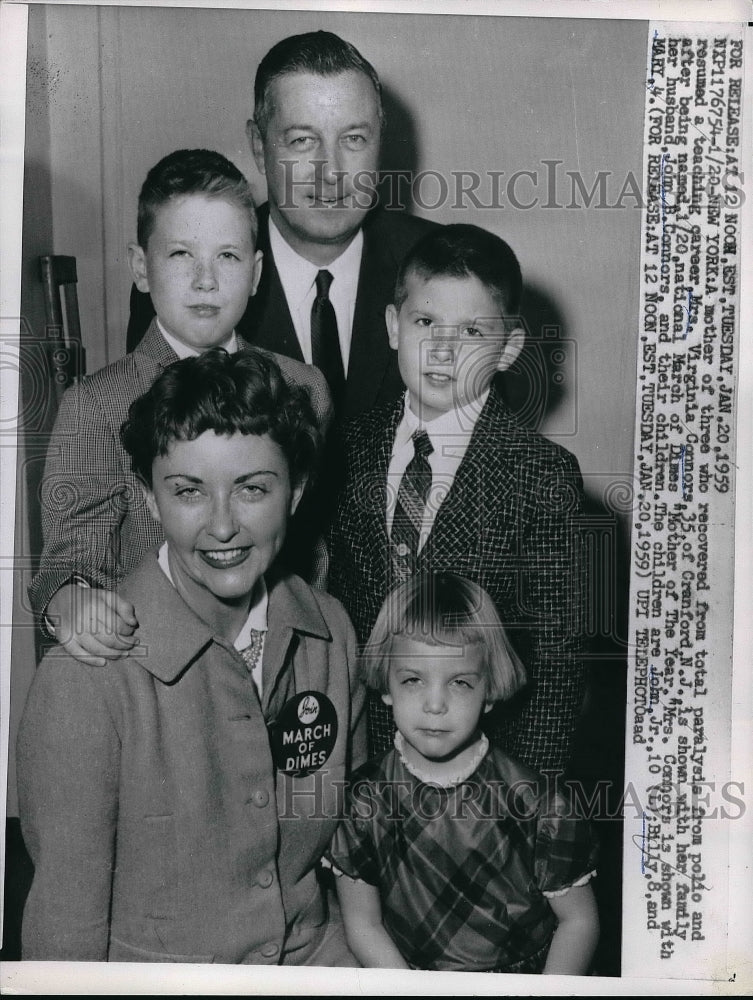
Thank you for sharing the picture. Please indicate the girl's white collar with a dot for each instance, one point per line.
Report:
(451, 777)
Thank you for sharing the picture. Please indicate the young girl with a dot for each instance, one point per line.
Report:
(454, 855)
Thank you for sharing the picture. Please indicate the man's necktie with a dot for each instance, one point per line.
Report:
(325, 343)
(411, 503)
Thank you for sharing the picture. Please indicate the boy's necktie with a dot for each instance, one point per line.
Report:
(325, 343)
(410, 505)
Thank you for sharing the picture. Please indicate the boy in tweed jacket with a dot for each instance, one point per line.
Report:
(446, 480)
(196, 254)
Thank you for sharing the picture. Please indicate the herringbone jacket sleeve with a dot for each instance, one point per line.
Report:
(88, 492)
(552, 591)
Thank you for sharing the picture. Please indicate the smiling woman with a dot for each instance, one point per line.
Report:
(224, 502)
(223, 470)
(164, 768)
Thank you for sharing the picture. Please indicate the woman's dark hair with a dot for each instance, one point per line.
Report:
(242, 393)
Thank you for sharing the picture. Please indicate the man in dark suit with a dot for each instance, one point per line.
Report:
(330, 256)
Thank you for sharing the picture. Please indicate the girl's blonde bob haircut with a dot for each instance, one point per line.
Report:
(443, 609)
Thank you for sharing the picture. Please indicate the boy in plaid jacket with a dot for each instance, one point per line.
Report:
(446, 480)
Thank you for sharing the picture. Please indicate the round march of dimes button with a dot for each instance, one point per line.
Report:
(304, 734)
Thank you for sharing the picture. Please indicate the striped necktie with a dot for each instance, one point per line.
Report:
(412, 496)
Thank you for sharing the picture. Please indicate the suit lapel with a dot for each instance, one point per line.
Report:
(374, 452)
(155, 347)
(267, 321)
(370, 352)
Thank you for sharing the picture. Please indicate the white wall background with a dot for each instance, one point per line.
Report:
(113, 89)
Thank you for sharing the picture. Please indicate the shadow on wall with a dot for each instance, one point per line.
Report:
(535, 386)
(399, 157)
(598, 762)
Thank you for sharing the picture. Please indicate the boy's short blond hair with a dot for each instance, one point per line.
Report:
(192, 171)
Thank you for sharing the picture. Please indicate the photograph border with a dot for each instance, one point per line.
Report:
(46, 978)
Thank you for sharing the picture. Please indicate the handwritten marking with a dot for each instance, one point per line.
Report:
(681, 471)
(653, 685)
(638, 841)
(688, 309)
(642, 844)
(665, 240)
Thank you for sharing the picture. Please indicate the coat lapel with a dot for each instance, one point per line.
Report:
(286, 667)
(267, 321)
(483, 487)
(168, 629)
(155, 347)
(370, 352)
(373, 452)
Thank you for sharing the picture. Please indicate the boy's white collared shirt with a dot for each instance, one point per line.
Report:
(184, 351)
(450, 435)
(257, 616)
(298, 279)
